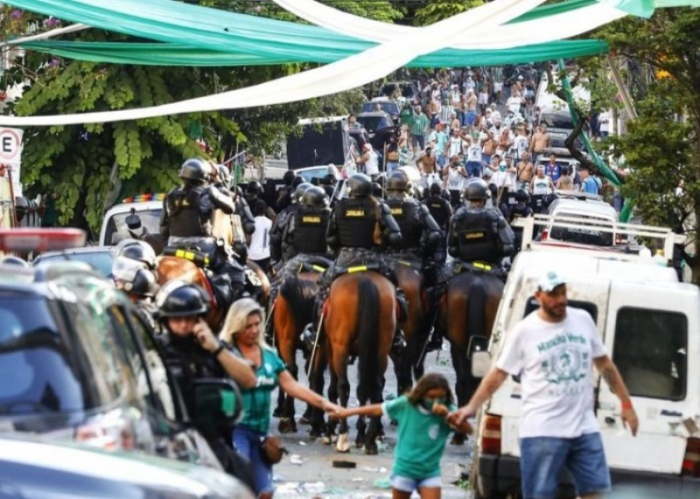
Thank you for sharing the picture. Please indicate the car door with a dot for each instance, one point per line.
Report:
(649, 335)
(167, 413)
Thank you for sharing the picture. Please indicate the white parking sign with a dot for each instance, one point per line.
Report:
(11, 154)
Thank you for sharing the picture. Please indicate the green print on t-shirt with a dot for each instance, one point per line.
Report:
(566, 361)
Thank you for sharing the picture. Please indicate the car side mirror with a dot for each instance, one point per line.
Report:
(216, 400)
(133, 221)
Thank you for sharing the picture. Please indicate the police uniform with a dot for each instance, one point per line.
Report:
(186, 221)
(520, 210)
(441, 211)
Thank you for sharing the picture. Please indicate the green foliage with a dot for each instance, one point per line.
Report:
(437, 10)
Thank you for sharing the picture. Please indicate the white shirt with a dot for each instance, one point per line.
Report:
(455, 180)
(455, 146)
(554, 361)
(504, 179)
(474, 154)
(259, 248)
(520, 144)
(540, 186)
(372, 164)
(604, 120)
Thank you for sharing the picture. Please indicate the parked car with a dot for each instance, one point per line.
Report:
(78, 363)
(375, 122)
(408, 89)
(650, 325)
(99, 258)
(40, 469)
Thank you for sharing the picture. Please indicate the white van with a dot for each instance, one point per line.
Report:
(650, 324)
(115, 225)
(585, 213)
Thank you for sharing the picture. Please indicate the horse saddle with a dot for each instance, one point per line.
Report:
(313, 264)
(481, 267)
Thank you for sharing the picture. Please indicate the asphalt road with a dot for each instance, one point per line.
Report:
(307, 470)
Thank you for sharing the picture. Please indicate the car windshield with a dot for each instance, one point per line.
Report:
(558, 120)
(37, 365)
(406, 90)
(388, 107)
(99, 260)
(374, 123)
(582, 234)
(309, 175)
(118, 231)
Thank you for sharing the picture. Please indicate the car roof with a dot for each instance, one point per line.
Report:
(577, 206)
(138, 206)
(374, 114)
(603, 265)
(36, 280)
(72, 251)
(69, 468)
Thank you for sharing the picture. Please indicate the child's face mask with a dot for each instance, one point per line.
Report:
(428, 403)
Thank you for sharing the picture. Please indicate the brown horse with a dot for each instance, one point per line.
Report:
(169, 268)
(410, 280)
(360, 321)
(467, 312)
(293, 309)
(257, 283)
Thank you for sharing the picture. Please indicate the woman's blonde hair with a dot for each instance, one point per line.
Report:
(237, 317)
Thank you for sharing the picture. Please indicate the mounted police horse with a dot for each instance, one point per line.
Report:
(467, 310)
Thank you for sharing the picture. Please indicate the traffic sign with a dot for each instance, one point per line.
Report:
(10, 145)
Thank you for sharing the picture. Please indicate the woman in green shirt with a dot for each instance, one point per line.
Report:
(423, 432)
(243, 330)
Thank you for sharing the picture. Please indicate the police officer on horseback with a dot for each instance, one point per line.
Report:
(420, 233)
(138, 282)
(186, 222)
(477, 233)
(192, 352)
(441, 211)
(279, 249)
(360, 226)
(521, 209)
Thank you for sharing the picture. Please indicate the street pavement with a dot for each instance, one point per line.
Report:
(307, 470)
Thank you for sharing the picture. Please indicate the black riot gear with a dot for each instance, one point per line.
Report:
(137, 250)
(435, 190)
(307, 230)
(359, 186)
(194, 170)
(183, 208)
(181, 300)
(480, 234)
(406, 212)
(300, 191)
(356, 219)
(255, 187)
(314, 197)
(522, 196)
(476, 190)
(224, 175)
(289, 177)
(132, 277)
(398, 182)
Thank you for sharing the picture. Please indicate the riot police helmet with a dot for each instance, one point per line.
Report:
(289, 177)
(14, 260)
(435, 189)
(398, 181)
(476, 190)
(359, 186)
(194, 170)
(133, 277)
(137, 250)
(522, 196)
(254, 187)
(314, 197)
(180, 299)
(300, 191)
(377, 190)
(224, 175)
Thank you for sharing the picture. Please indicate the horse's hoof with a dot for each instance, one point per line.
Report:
(286, 425)
(458, 439)
(277, 413)
(304, 420)
(371, 450)
(343, 445)
(326, 440)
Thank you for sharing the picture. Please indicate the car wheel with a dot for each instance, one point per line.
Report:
(476, 487)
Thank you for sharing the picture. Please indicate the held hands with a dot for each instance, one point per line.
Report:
(330, 408)
(205, 337)
(458, 417)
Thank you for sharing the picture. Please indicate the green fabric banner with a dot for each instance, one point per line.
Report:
(172, 54)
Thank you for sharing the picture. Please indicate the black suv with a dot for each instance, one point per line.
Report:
(76, 362)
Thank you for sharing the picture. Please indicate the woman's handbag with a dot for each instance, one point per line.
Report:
(271, 449)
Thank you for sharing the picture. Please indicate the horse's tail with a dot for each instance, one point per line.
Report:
(368, 307)
(299, 295)
(476, 320)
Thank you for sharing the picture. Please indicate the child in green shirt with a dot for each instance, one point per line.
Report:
(422, 435)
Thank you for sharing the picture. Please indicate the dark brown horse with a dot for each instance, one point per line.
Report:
(360, 320)
(293, 309)
(467, 312)
(172, 267)
(410, 281)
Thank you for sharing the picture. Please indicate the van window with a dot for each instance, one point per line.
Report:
(589, 307)
(581, 235)
(650, 350)
(557, 120)
(118, 231)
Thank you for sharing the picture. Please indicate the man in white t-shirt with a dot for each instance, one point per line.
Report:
(553, 350)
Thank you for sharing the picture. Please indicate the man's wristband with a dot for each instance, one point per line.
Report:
(626, 405)
(216, 352)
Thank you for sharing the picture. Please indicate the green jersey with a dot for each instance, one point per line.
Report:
(421, 439)
(406, 116)
(420, 123)
(257, 400)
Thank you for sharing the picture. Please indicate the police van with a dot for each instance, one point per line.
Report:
(133, 216)
(650, 325)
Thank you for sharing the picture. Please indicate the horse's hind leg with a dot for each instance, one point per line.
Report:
(341, 363)
(375, 423)
(317, 383)
(333, 397)
(287, 423)
(460, 362)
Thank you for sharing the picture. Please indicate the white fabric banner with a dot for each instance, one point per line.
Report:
(347, 74)
(482, 37)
